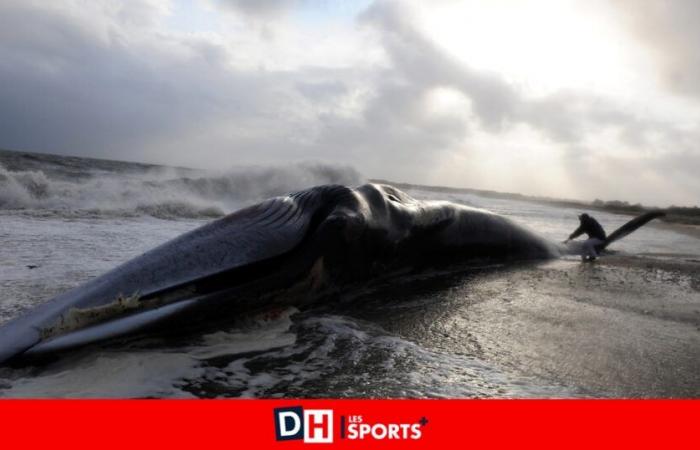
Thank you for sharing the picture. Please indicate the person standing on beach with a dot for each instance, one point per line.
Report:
(596, 236)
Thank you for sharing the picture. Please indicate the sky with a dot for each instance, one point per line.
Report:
(577, 99)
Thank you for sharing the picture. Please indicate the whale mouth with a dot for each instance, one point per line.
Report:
(107, 330)
(126, 315)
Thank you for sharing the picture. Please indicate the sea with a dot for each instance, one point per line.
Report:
(65, 220)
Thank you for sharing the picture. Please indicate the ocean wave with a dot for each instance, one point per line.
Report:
(159, 192)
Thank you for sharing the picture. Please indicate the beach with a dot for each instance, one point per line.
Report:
(624, 326)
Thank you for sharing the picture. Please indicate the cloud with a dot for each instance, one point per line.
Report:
(670, 30)
(603, 145)
(564, 116)
(108, 88)
(261, 8)
(114, 79)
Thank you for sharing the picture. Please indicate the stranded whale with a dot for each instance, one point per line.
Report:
(288, 249)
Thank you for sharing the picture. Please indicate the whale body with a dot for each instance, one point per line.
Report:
(293, 248)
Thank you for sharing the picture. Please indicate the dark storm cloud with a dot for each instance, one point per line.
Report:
(108, 89)
(92, 90)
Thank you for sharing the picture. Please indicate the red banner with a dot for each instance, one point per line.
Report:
(287, 424)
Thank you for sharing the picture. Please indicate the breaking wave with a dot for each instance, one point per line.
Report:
(158, 192)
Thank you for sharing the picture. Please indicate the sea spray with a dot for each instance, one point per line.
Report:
(158, 191)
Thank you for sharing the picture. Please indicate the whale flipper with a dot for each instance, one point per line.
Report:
(246, 237)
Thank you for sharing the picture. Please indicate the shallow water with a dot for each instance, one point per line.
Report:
(407, 339)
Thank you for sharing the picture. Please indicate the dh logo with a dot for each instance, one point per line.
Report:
(314, 426)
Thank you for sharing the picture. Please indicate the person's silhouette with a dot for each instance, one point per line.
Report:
(596, 236)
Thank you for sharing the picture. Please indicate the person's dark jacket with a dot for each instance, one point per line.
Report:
(590, 226)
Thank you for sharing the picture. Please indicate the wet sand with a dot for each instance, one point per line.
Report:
(623, 326)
